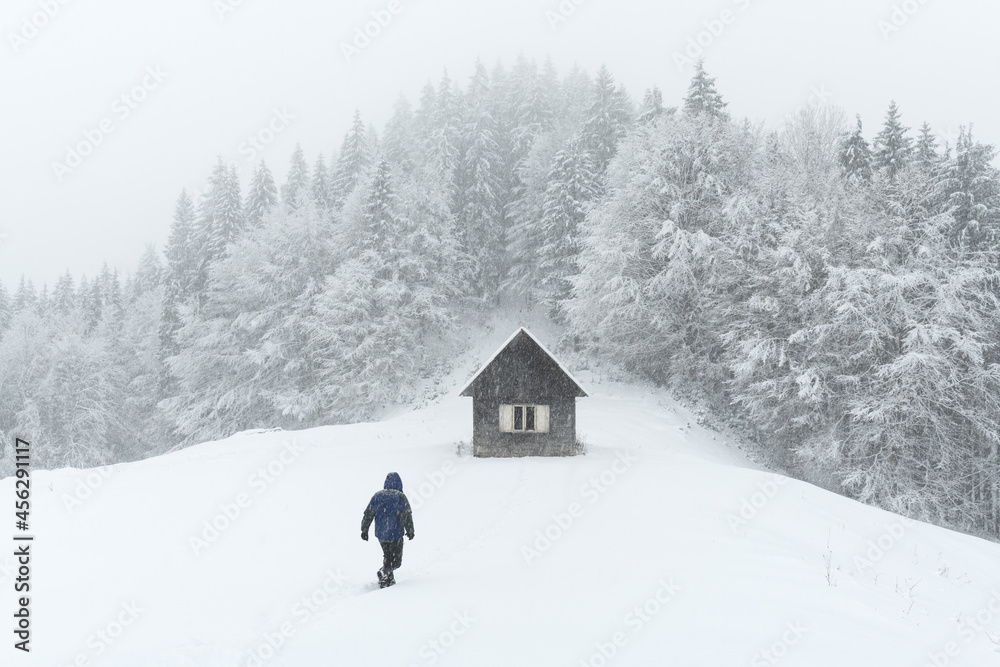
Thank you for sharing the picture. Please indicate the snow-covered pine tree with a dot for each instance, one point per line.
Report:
(44, 301)
(652, 105)
(574, 100)
(530, 105)
(608, 120)
(182, 260)
(139, 427)
(92, 303)
(373, 143)
(381, 225)
(892, 147)
(926, 153)
(572, 186)
(423, 122)
(540, 130)
(856, 156)
(478, 202)
(627, 109)
(64, 294)
(6, 309)
(401, 144)
(228, 220)
(352, 163)
(526, 235)
(244, 359)
(653, 252)
(296, 188)
(702, 96)
(321, 185)
(218, 210)
(25, 298)
(897, 332)
(64, 391)
(262, 196)
(182, 270)
(502, 100)
(377, 314)
(149, 274)
(971, 187)
(109, 294)
(447, 132)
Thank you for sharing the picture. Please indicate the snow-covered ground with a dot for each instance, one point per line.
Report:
(662, 546)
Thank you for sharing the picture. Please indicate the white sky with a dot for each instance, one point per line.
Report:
(225, 77)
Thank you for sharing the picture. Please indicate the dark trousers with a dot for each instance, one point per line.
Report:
(392, 554)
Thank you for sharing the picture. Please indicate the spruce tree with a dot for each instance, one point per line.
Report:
(478, 203)
(608, 120)
(531, 104)
(209, 209)
(572, 185)
(92, 302)
(64, 294)
(26, 298)
(352, 162)
(380, 222)
(926, 152)
(892, 148)
(401, 143)
(182, 261)
(44, 301)
(321, 185)
(652, 105)
(856, 156)
(972, 189)
(262, 196)
(108, 294)
(447, 132)
(82, 293)
(423, 121)
(575, 98)
(702, 96)
(525, 236)
(218, 213)
(228, 218)
(6, 309)
(297, 183)
(149, 275)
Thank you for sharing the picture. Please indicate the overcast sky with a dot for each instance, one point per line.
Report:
(200, 76)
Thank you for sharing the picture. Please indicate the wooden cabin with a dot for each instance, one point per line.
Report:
(523, 402)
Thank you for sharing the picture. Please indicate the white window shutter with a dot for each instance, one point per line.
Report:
(541, 419)
(506, 418)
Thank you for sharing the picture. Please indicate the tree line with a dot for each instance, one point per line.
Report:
(836, 298)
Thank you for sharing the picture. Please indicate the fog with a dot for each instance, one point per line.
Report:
(153, 92)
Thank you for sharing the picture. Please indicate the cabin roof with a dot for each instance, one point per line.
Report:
(468, 388)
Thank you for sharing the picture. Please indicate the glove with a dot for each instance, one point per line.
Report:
(364, 535)
(410, 536)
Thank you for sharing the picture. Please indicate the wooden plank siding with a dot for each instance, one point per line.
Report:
(488, 440)
(523, 373)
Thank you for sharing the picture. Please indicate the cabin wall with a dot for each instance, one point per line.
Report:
(488, 441)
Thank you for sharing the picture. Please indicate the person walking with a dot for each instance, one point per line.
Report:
(390, 510)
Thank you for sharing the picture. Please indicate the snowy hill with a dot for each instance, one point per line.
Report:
(662, 546)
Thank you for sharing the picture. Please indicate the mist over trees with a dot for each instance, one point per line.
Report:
(832, 290)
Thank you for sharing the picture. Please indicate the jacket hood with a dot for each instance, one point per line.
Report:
(392, 481)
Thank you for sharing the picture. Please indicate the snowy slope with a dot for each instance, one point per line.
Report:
(665, 547)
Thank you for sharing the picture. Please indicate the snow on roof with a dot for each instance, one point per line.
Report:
(504, 347)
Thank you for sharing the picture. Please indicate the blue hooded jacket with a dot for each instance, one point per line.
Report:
(390, 510)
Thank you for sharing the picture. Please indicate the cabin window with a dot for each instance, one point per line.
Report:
(522, 418)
